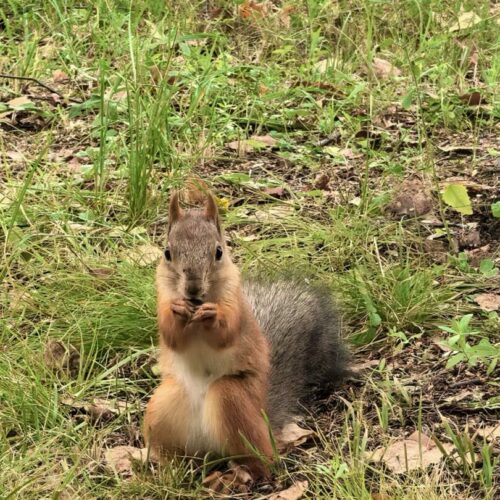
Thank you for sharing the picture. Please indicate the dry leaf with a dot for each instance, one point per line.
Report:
(61, 357)
(99, 409)
(414, 452)
(413, 198)
(263, 89)
(292, 435)
(321, 181)
(490, 432)
(380, 496)
(15, 156)
(472, 185)
(276, 192)
(264, 139)
(464, 395)
(120, 96)
(104, 409)
(384, 69)
(295, 492)
(256, 142)
(19, 102)
(323, 65)
(465, 20)
(361, 367)
(236, 480)
(74, 165)
(59, 76)
(272, 214)
(488, 301)
(250, 8)
(473, 99)
(143, 255)
(460, 149)
(120, 458)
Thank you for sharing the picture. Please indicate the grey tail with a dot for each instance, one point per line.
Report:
(302, 325)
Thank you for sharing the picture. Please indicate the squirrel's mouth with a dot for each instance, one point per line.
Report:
(195, 301)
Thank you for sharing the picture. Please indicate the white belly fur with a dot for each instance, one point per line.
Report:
(197, 368)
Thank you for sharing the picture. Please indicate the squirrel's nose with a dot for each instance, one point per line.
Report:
(193, 290)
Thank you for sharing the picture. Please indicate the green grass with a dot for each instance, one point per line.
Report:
(157, 91)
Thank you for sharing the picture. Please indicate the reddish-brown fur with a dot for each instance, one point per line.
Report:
(215, 366)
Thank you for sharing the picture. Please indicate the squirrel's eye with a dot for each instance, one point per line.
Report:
(168, 255)
(218, 253)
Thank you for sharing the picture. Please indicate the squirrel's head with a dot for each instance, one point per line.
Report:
(196, 257)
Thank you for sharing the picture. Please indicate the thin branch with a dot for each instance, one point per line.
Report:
(41, 84)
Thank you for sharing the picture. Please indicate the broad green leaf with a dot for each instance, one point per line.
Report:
(495, 209)
(456, 196)
(447, 329)
(487, 267)
(465, 320)
(485, 349)
(455, 359)
(364, 337)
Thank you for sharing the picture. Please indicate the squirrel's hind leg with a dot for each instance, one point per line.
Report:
(167, 418)
(234, 409)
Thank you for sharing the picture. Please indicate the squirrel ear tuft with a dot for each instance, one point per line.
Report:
(174, 211)
(212, 212)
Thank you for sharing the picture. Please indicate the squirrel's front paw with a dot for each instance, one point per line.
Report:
(205, 312)
(182, 309)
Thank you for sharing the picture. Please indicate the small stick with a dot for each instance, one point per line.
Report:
(41, 84)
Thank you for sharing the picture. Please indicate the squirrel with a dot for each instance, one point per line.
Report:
(231, 350)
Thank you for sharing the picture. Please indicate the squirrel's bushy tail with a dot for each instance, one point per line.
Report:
(303, 328)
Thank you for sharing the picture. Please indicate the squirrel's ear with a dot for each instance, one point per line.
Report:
(174, 210)
(212, 212)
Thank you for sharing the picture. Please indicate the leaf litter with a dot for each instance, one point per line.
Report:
(414, 452)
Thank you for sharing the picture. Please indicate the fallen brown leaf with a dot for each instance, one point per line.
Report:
(384, 69)
(464, 149)
(143, 255)
(473, 99)
(18, 102)
(476, 255)
(272, 214)
(465, 20)
(292, 435)
(264, 139)
(15, 156)
(120, 96)
(488, 301)
(490, 432)
(380, 496)
(473, 394)
(276, 192)
(361, 367)
(98, 409)
(236, 480)
(414, 452)
(323, 65)
(469, 235)
(321, 181)
(295, 492)
(474, 186)
(250, 8)
(59, 76)
(256, 142)
(61, 357)
(121, 458)
(74, 165)
(412, 198)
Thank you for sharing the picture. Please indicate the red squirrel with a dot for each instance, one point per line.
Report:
(232, 350)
